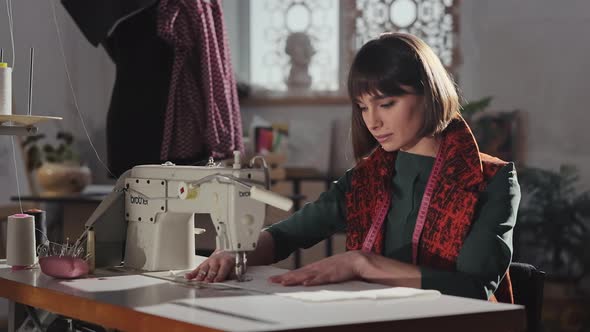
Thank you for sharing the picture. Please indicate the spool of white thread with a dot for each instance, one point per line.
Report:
(5, 89)
(20, 242)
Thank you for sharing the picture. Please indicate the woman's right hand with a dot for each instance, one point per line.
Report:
(221, 264)
(217, 268)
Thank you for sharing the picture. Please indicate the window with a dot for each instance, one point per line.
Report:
(284, 34)
(432, 20)
(304, 47)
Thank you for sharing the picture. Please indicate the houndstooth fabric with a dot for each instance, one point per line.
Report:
(203, 113)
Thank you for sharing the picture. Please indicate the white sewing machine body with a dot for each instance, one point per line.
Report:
(159, 203)
(161, 230)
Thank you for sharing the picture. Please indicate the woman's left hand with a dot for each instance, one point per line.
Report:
(337, 268)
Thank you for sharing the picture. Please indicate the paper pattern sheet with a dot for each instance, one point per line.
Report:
(350, 290)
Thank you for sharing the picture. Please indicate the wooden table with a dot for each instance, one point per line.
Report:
(142, 303)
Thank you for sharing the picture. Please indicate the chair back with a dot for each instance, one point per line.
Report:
(527, 287)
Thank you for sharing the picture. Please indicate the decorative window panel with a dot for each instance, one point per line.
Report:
(337, 29)
(271, 23)
(435, 21)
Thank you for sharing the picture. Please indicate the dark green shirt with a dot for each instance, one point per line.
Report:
(486, 252)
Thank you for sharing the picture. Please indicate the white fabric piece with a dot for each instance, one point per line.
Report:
(371, 294)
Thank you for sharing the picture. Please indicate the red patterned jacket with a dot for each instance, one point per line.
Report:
(465, 174)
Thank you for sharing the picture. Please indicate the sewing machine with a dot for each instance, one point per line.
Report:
(160, 202)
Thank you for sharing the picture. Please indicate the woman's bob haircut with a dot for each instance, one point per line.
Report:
(393, 65)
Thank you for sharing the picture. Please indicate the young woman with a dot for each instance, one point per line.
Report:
(422, 207)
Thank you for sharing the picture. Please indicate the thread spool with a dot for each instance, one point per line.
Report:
(40, 225)
(5, 89)
(20, 244)
(91, 250)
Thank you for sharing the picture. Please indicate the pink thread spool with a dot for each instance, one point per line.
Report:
(20, 244)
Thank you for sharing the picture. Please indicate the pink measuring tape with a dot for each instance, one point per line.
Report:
(383, 208)
(376, 226)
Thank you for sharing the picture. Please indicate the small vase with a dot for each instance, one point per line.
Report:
(57, 179)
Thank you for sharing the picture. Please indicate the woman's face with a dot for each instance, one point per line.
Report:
(394, 121)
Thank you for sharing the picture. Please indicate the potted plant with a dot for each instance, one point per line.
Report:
(497, 132)
(552, 233)
(554, 220)
(470, 108)
(55, 165)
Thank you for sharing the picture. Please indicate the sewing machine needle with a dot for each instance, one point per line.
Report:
(241, 266)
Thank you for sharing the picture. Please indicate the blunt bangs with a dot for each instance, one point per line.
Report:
(379, 69)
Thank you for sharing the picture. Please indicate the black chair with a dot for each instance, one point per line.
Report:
(527, 287)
